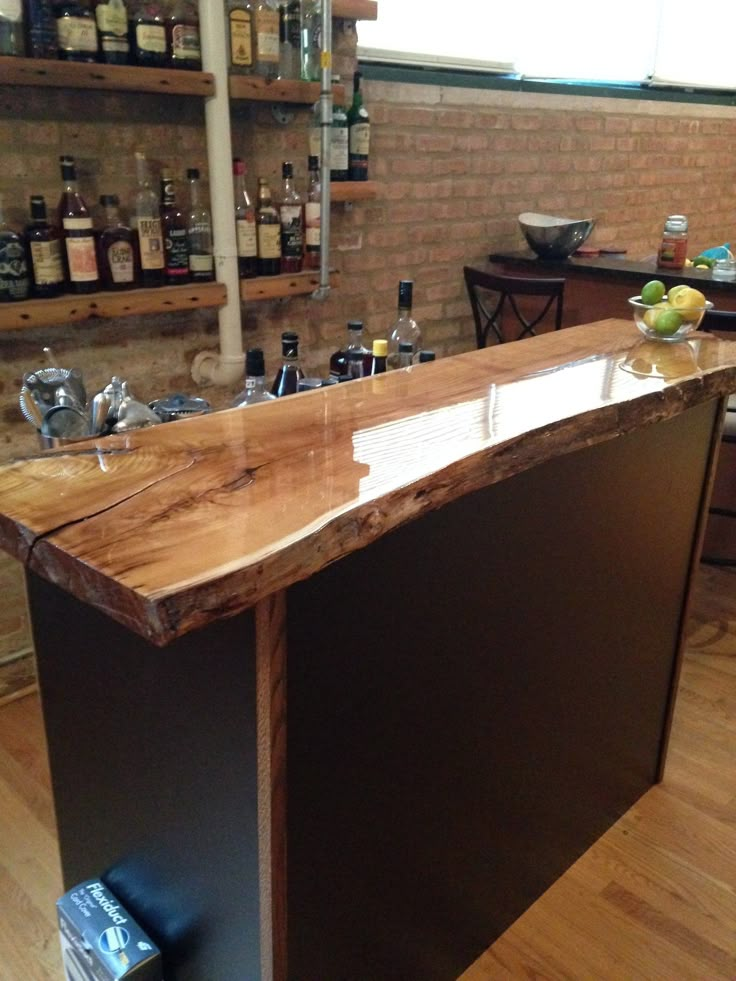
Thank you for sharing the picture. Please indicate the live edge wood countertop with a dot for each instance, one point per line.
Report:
(170, 528)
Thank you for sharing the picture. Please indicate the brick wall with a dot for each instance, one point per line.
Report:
(456, 167)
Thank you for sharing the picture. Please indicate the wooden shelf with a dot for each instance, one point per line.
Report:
(255, 87)
(125, 78)
(353, 190)
(62, 310)
(275, 287)
(355, 9)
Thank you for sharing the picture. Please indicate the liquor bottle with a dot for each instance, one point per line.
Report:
(12, 39)
(79, 236)
(356, 364)
(290, 35)
(174, 228)
(266, 39)
(312, 216)
(147, 34)
(291, 216)
(315, 132)
(43, 243)
(268, 229)
(339, 362)
(199, 234)
(240, 36)
(245, 225)
(405, 329)
(41, 39)
(339, 143)
(76, 30)
(311, 40)
(146, 221)
(378, 360)
(255, 380)
(116, 249)
(287, 377)
(112, 31)
(15, 279)
(405, 356)
(182, 35)
(359, 135)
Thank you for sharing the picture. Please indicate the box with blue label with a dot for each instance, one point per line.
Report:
(100, 941)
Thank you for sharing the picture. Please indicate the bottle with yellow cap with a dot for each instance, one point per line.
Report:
(378, 360)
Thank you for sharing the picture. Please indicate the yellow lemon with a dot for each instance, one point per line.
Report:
(688, 302)
(675, 290)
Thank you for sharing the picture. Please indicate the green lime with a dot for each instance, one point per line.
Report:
(652, 292)
(703, 260)
(668, 322)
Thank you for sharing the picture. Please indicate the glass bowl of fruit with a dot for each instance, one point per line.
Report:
(668, 316)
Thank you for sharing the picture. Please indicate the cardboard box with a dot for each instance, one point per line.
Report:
(100, 941)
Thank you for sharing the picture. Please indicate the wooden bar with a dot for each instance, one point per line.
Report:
(355, 9)
(62, 310)
(287, 284)
(120, 78)
(254, 87)
(353, 190)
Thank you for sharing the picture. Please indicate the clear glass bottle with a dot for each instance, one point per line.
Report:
(673, 248)
(268, 229)
(182, 35)
(291, 216)
(15, 277)
(41, 39)
(116, 249)
(199, 233)
(146, 222)
(311, 41)
(289, 374)
(147, 33)
(112, 31)
(359, 134)
(405, 355)
(290, 39)
(356, 364)
(378, 359)
(76, 30)
(12, 34)
(404, 329)
(267, 38)
(339, 362)
(240, 36)
(339, 140)
(245, 224)
(174, 228)
(43, 242)
(312, 217)
(79, 236)
(255, 380)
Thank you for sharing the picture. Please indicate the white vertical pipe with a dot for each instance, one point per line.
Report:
(227, 366)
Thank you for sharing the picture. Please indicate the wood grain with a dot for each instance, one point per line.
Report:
(255, 87)
(170, 528)
(355, 9)
(354, 190)
(120, 78)
(287, 284)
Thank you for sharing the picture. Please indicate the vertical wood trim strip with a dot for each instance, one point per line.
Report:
(271, 736)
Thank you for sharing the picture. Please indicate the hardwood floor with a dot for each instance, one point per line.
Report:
(654, 898)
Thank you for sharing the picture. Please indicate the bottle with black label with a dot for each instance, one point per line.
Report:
(147, 34)
(174, 228)
(182, 31)
(118, 258)
(268, 229)
(359, 135)
(76, 30)
(112, 31)
(289, 374)
(79, 236)
(339, 139)
(291, 216)
(43, 242)
(340, 360)
(199, 233)
(41, 40)
(15, 280)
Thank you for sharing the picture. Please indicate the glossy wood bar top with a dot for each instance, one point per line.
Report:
(168, 529)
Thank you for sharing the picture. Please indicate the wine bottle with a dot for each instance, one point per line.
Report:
(240, 36)
(266, 39)
(245, 225)
(268, 228)
(291, 216)
(15, 280)
(43, 242)
(339, 143)
(174, 228)
(255, 381)
(76, 31)
(147, 34)
(182, 35)
(41, 39)
(359, 134)
(312, 217)
(287, 377)
(12, 39)
(79, 237)
(112, 31)
(404, 329)
(199, 234)
(116, 249)
(146, 221)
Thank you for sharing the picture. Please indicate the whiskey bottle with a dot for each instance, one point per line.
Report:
(287, 377)
(245, 225)
(41, 40)
(146, 221)
(147, 34)
(268, 229)
(15, 280)
(378, 359)
(404, 329)
(340, 360)
(240, 36)
(199, 234)
(290, 33)
(76, 30)
(174, 228)
(339, 143)
(359, 134)
(291, 216)
(312, 215)
(267, 38)
(182, 35)
(255, 380)
(116, 249)
(12, 40)
(43, 243)
(79, 237)
(112, 31)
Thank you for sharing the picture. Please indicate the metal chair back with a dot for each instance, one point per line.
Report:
(492, 294)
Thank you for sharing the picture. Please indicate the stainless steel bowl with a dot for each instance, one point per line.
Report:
(554, 238)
